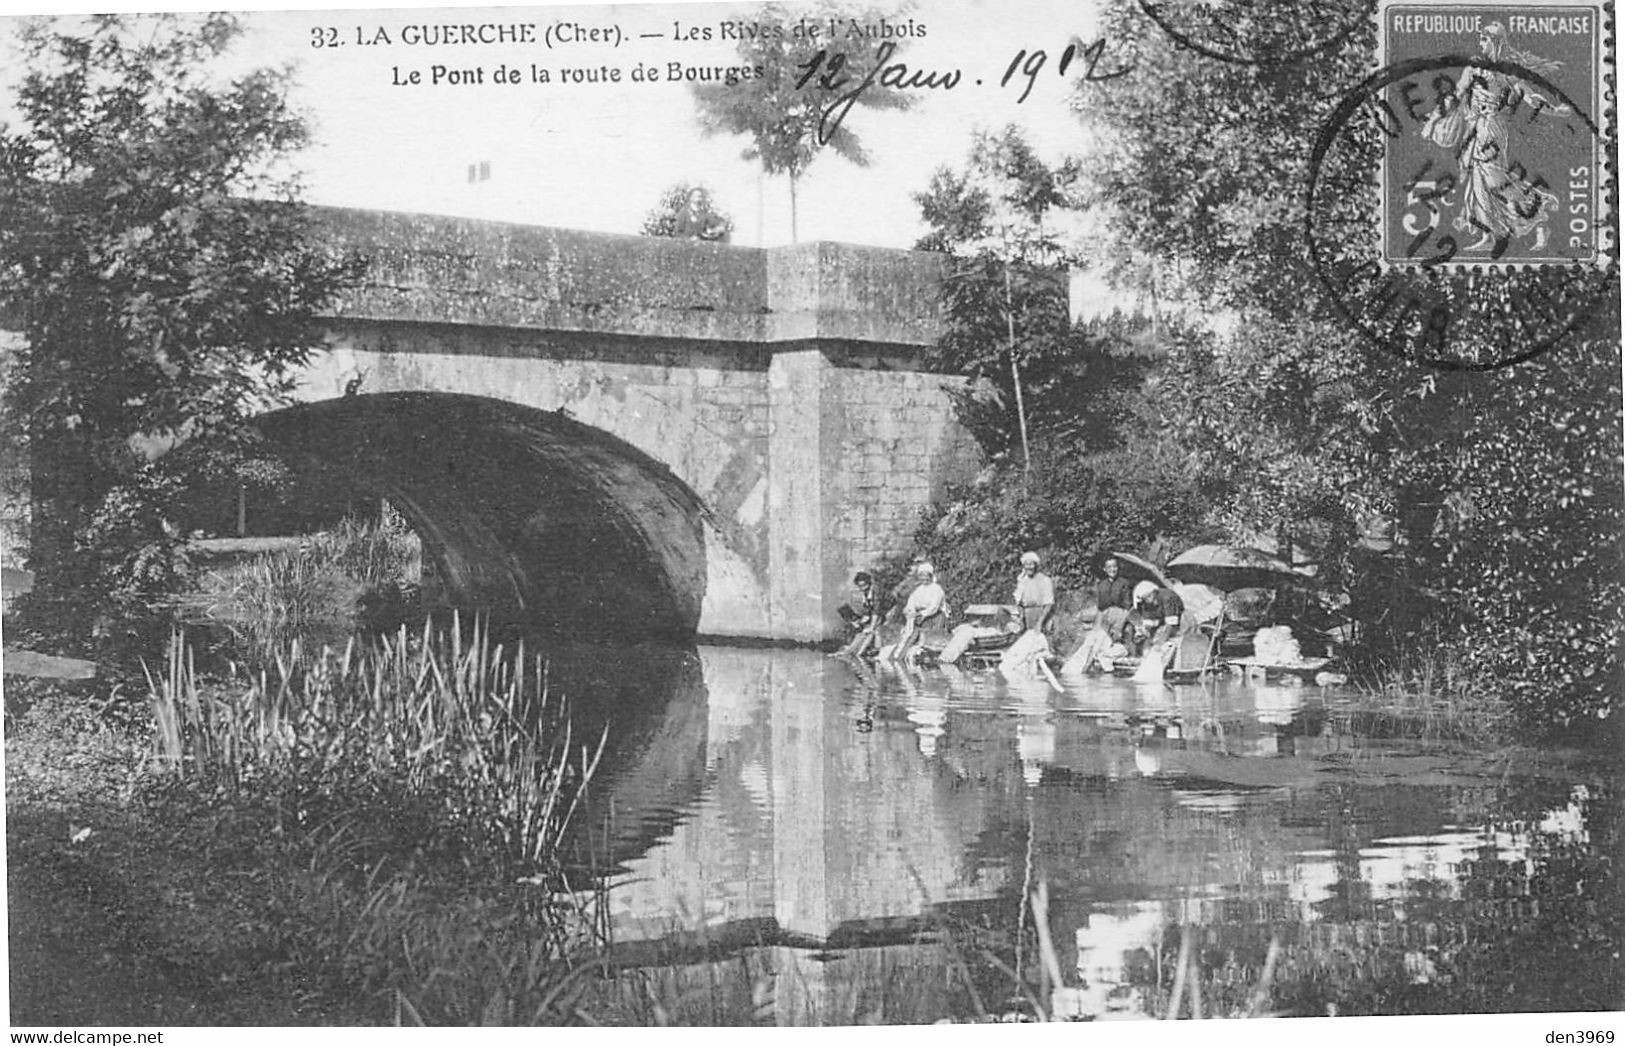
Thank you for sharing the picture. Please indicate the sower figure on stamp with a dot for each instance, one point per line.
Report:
(1497, 197)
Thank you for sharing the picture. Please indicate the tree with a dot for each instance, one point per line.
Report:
(1503, 488)
(1096, 472)
(1009, 327)
(686, 209)
(167, 285)
(785, 119)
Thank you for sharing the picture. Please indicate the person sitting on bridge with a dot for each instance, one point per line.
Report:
(1035, 594)
(698, 221)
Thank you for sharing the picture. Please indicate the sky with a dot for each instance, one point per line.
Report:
(597, 156)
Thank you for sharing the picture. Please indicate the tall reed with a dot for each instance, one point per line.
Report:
(443, 714)
(372, 552)
(1434, 691)
(418, 789)
(273, 597)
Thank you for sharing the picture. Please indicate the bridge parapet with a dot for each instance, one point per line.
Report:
(429, 268)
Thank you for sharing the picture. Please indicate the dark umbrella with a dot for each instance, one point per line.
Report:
(1133, 566)
(1229, 567)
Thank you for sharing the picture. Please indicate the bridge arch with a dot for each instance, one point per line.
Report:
(784, 389)
(724, 433)
(523, 511)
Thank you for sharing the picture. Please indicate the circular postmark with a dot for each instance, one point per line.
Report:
(1456, 212)
(1259, 34)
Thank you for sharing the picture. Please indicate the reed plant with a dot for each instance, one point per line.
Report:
(425, 781)
(372, 552)
(443, 713)
(1433, 691)
(274, 597)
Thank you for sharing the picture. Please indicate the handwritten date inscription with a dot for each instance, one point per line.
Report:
(829, 72)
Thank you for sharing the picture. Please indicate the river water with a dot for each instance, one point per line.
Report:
(787, 838)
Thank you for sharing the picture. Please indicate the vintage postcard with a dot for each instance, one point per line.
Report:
(813, 514)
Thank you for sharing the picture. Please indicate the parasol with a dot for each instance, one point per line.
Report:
(1229, 567)
(1132, 567)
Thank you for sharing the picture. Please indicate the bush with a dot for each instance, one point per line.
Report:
(1071, 509)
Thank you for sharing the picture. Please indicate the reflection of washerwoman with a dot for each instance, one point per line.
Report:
(1496, 199)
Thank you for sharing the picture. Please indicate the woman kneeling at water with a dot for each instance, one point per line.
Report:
(925, 616)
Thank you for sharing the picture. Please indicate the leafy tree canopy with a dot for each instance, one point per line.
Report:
(1002, 217)
(1507, 520)
(165, 281)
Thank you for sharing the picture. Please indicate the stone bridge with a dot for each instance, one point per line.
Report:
(631, 432)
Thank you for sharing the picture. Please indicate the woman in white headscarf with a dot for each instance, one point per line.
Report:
(1161, 609)
(1035, 594)
(926, 610)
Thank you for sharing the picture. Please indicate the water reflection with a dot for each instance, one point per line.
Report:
(799, 840)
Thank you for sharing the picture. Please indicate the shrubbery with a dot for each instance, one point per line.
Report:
(167, 284)
(1072, 508)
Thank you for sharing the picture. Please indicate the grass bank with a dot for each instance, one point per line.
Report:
(354, 836)
(1434, 692)
(362, 573)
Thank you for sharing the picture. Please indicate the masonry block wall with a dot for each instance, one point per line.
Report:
(783, 386)
(893, 446)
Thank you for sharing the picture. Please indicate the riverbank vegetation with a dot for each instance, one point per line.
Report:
(365, 835)
(361, 575)
(283, 831)
(1478, 512)
(167, 283)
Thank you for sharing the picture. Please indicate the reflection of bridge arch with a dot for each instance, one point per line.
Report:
(522, 510)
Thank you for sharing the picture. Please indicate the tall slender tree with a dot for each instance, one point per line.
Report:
(166, 283)
(785, 123)
(996, 217)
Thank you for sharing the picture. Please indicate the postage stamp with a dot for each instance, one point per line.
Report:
(1443, 299)
(1491, 153)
